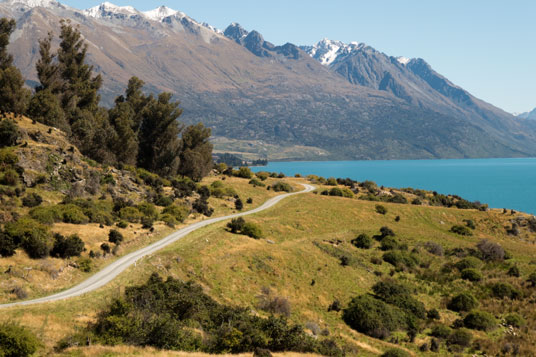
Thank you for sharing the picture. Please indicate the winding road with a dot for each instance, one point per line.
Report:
(111, 271)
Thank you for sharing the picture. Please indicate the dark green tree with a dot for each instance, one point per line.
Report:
(45, 107)
(13, 96)
(48, 70)
(159, 143)
(196, 153)
(9, 133)
(126, 143)
(80, 87)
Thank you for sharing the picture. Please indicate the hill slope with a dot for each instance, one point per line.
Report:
(257, 96)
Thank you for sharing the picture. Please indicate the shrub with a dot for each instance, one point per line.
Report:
(244, 172)
(461, 230)
(256, 183)
(9, 177)
(122, 224)
(532, 279)
(17, 341)
(180, 213)
(490, 251)
(470, 223)
(85, 264)
(32, 200)
(381, 209)
(252, 230)
(395, 352)
(386, 232)
(163, 201)
(388, 243)
(9, 133)
(400, 259)
(71, 213)
(7, 245)
(471, 275)
(480, 320)
(468, 263)
(400, 296)
(460, 337)
(236, 224)
(433, 314)
(114, 236)
(105, 248)
(201, 206)
(373, 317)
(502, 290)
(362, 241)
(147, 222)
(148, 210)
(270, 302)
(441, 331)
(249, 201)
(71, 246)
(434, 248)
(130, 214)
(514, 320)
(462, 302)
(239, 204)
(262, 175)
(282, 186)
(32, 235)
(514, 271)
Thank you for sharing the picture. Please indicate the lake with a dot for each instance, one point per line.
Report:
(501, 183)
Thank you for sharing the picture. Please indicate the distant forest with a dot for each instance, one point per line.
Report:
(139, 130)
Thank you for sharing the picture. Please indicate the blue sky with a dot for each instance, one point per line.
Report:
(487, 47)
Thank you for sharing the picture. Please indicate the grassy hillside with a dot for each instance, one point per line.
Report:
(308, 260)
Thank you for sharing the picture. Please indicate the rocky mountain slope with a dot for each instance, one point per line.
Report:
(357, 104)
(528, 115)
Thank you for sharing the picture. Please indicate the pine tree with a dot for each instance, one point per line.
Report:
(196, 154)
(160, 145)
(45, 107)
(47, 70)
(80, 88)
(137, 101)
(13, 96)
(126, 143)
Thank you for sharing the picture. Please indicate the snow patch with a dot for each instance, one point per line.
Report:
(33, 3)
(161, 13)
(106, 9)
(403, 60)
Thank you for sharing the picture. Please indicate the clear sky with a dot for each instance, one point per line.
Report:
(485, 46)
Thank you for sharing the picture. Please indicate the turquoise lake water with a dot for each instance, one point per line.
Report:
(501, 183)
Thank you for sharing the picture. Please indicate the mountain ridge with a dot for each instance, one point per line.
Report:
(248, 89)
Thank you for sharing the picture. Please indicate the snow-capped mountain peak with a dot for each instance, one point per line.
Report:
(107, 9)
(403, 60)
(327, 51)
(161, 13)
(33, 3)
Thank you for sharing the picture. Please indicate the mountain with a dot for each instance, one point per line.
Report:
(528, 115)
(328, 101)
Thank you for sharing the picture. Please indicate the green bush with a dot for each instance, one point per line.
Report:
(8, 157)
(9, 133)
(462, 302)
(461, 230)
(514, 320)
(71, 213)
(71, 246)
(531, 279)
(362, 241)
(46, 215)
(381, 209)
(468, 263)
(400, 296)
(460, 337)
(514, 271)
(122, 224)
(504, 290)
(148, 210)
(282, 186)
(373, 317)
(244, 172)
(262, 175)
(32, 200)
(239, 204)
(17, 341)
(395, 352)
(7, 245)
(31, 235)
(130, 214)
(471, 275)
(257, 183)
(169, 220)
(236, 224)
(9, 177)
(85, 264)
(480, 320)
(388, 243)
(441, 331)
(252, 230)
(400, 259)
(163, 201)
(180, 213)
(114, 236)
